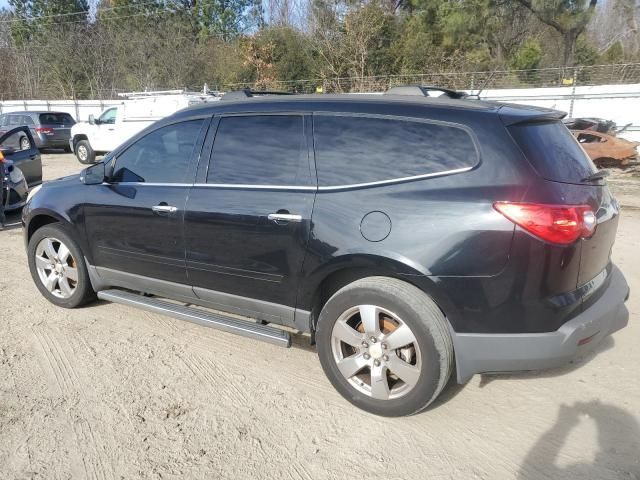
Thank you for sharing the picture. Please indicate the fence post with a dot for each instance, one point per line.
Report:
(573, 91)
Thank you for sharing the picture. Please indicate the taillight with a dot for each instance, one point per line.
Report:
(44, 130)
(562, 224)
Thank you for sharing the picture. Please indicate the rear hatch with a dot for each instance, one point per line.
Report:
(56, 126)
(558, 157)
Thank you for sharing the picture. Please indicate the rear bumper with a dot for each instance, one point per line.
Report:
(45, 141)
(485, 353)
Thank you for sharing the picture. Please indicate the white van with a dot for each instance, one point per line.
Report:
(120, 122)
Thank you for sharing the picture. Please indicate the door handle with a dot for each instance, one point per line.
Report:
(164, 209)
(284, 217)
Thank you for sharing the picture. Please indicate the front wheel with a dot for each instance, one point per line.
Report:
(58, 268)
(84, 152)
(385, 346)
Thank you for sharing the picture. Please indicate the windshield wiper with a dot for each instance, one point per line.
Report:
(599, 175)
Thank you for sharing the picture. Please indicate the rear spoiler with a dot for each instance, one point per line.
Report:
(514, 114)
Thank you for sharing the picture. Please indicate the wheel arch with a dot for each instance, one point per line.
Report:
(77, 138)
(39, 219)
(346, 269)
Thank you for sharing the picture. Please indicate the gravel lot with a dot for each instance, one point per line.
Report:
(109, 392)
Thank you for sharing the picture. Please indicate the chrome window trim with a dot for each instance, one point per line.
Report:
(391, 181)
(256, 187)
(149, 184)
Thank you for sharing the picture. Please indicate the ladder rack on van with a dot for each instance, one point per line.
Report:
(157, 93)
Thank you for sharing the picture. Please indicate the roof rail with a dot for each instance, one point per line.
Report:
(248, 93)
(423, 91)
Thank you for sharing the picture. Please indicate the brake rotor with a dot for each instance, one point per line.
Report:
(388, 326)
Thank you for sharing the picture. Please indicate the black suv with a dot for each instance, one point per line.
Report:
(412, 237)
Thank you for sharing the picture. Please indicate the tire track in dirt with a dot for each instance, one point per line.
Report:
(301, 471)
(48, 356)
(71, 385)
(204, 369)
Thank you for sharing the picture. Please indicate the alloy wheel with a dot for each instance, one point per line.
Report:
(376, 352)
(56, 267)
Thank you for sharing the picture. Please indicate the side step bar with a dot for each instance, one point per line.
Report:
(207, 319)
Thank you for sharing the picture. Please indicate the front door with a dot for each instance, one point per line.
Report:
(28, 160)
(248, 217)
(104, 131)
(135, 220)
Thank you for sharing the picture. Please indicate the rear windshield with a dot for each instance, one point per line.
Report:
(56, 119)
(553, 151)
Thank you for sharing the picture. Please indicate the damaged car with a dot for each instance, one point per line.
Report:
(607, 150)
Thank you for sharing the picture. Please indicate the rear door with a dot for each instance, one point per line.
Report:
(135, 221)
(249, 215)
(28, 161)
(56, 126)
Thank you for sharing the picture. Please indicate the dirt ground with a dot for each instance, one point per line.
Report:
(109, 392)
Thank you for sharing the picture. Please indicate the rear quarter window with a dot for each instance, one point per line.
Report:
(352, 150)
(553, 151)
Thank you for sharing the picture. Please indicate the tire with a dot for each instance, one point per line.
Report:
(84, 152)
(68, 290)
(398, 305)
(67, 149)
(25, 144)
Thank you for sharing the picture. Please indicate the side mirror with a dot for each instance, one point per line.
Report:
(92, 119)
(93, 175)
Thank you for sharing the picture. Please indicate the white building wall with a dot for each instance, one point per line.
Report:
(620, 103)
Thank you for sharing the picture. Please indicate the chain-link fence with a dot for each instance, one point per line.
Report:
(544, 77)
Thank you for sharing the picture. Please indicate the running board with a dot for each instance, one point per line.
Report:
(207, 319)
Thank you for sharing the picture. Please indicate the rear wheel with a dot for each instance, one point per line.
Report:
(84, 152)
(385, 346)
(58, 268)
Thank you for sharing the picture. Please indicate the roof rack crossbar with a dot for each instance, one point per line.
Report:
(248, 93)
(422, 90)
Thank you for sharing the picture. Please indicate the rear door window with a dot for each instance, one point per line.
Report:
(260, 150)
(56, 119)
(553, 151)
(352, 150)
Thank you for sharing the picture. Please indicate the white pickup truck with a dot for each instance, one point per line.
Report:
(120, 122)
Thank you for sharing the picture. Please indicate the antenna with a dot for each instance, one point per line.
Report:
(484, 84)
